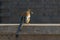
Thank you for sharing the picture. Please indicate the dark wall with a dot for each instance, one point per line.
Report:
(0, 11)
(45, 11)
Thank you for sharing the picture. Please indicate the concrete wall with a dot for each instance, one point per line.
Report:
(30, 33)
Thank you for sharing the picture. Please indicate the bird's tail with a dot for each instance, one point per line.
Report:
(19, 27)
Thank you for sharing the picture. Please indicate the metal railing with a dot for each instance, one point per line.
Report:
(30, 25)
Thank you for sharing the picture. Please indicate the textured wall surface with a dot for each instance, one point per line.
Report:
(30, 33)
(11, 36)
(40, 37)
(32, 30)
(45, 11)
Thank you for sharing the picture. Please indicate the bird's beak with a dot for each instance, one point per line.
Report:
(32, 12)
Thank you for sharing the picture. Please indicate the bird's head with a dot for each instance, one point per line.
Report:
(30, 10)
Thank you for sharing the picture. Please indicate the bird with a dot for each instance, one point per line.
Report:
(25, 18)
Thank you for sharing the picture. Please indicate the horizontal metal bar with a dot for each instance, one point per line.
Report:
(30, 25)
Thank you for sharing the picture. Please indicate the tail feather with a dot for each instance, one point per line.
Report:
(20, 26)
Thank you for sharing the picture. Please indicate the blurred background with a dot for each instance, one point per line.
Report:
(45, 11)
